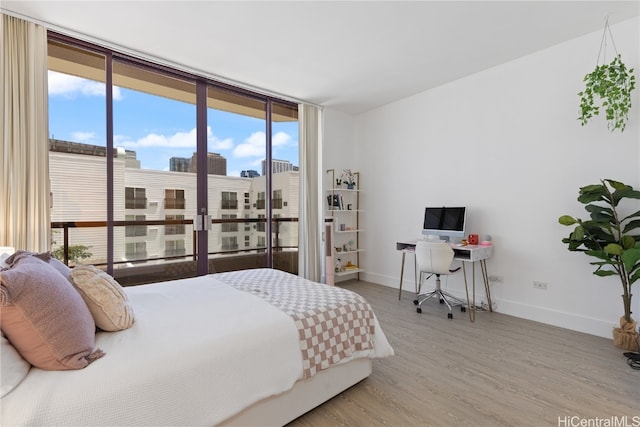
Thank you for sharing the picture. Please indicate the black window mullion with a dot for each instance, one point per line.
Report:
(202, 175)
(109, 129)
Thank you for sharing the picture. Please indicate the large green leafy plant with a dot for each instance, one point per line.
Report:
(610, 238)
(612, 84)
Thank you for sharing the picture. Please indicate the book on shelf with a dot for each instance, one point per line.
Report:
(335, 201)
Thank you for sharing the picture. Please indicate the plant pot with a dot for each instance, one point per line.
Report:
(351, 186)
(626, 336)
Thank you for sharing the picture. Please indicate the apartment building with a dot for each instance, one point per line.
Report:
(78, 186)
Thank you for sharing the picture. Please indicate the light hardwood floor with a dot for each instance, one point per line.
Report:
(498, 371)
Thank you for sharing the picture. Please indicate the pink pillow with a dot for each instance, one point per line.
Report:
(45, 318)
(44, 256)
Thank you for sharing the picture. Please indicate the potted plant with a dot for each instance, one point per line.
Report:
(612, 83)
(612, 240)
(349, 178)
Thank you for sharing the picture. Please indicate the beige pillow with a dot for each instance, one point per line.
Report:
(45, 318)
(13, 368)
(104, 296)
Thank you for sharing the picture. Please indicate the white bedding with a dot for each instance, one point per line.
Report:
(199, 352)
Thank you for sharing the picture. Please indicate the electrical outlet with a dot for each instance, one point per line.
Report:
(540, 285)
(497, 279)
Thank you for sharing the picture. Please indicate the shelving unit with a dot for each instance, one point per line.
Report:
(343, 204)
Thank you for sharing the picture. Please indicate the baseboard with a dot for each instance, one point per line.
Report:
(572, 321)
(389, 281)
(587, 325)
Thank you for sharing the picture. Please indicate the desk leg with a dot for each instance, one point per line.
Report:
(471, 305)
(401, 274)
(485, 278)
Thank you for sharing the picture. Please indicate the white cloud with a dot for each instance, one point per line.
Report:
(83, 136)
(216, 144)
(280, 139)
(255, 145)
(71, 86)
(177, 140)
(252, 147)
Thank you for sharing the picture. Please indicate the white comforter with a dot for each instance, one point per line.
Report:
(199, 352)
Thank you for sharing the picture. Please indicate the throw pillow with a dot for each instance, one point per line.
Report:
(3, 261)
(13, 368)
(45, 318)
(104, 296)
(44, 256)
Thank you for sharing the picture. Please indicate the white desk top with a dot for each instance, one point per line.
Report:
(462, 252)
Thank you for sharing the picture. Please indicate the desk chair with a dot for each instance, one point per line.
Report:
(435, 258)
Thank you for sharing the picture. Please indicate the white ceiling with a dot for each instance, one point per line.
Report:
(350, 55)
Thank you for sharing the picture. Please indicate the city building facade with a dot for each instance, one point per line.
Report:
(78, 188)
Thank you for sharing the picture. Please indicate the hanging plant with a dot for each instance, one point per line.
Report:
(613, 84)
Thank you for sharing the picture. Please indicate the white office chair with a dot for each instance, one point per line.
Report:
(435, 258)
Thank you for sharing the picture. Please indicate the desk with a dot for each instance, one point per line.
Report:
(468, 253)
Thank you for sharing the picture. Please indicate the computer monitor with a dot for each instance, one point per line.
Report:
(446, 222)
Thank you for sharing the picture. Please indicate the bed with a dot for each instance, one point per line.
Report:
(253, 347)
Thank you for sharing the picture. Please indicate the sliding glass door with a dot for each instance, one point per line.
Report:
(181, 169)
(154, 179)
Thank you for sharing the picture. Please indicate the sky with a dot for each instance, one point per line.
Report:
(159, 128)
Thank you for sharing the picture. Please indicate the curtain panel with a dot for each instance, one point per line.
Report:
(309, 245)
(24, 146)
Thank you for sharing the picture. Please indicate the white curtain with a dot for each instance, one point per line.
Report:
(24, 146)
(309, 245)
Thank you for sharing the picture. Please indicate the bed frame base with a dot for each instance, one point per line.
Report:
(303, 397)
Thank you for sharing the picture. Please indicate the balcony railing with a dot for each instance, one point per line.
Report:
(228, 204)
(139, 203)
(67, 226)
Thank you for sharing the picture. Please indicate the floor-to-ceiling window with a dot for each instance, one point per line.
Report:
(155, 177)
(78, 152)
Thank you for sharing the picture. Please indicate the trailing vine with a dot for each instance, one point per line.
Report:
(613, 84)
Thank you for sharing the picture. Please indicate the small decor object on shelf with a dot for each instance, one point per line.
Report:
(350, 266)
(613, 84)
(349, 179)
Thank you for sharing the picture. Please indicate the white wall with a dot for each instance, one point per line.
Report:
(506, 143)
(339, 150)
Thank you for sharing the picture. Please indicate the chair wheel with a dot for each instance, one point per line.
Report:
(463, 308)
(419, 310)
(450, 315)
(415, 302)
(441, 301)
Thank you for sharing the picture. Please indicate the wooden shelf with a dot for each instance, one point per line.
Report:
(344, 273)
(338, 199)
(348, 252)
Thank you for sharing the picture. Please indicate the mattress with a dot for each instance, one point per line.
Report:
(200, 351)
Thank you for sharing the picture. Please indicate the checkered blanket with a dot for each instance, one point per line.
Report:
(332, 322)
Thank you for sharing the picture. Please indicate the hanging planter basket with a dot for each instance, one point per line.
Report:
(608, 86)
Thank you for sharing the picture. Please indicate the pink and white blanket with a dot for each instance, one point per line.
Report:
(332, 323)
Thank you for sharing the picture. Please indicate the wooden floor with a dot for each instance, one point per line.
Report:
(498, 371)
